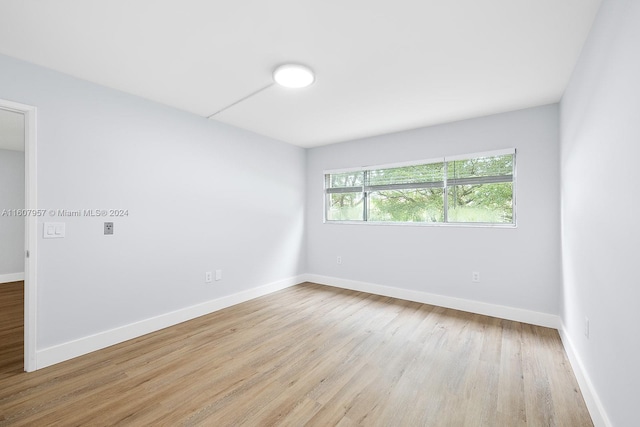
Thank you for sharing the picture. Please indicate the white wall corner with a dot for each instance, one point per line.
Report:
(477, 307)
(594, 404)
(13, 277)
(69, 350)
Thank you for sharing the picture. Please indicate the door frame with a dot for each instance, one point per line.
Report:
(30, 230)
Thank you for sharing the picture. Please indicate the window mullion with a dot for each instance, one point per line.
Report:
(446, 193)
(365, 204)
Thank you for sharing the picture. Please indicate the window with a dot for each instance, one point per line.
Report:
(472, 189)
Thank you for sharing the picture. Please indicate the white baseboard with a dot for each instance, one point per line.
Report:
(13, 277)
(594, 404)
(495, 310)
(69, 350)
(59, 353)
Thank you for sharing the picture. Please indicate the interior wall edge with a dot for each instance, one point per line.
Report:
(503, 312)
(591, 398)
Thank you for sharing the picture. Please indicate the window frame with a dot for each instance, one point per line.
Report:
(366, 189)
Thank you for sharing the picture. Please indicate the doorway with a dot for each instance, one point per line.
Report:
(18, 225)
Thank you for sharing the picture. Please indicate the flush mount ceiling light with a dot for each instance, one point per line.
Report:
(293, 76)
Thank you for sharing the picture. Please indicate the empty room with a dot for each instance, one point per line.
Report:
(322, 213)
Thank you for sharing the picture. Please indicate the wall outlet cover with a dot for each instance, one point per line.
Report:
(108, 228)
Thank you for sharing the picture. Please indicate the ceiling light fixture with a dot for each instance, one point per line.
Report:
(293, 76)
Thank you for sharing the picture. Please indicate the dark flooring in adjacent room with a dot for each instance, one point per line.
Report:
(11, 328)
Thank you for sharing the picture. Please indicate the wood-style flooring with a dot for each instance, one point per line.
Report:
(311, 355)
(11, 330)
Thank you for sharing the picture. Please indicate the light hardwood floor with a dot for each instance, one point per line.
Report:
(312, 355)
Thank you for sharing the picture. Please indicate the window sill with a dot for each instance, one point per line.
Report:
(425, 224)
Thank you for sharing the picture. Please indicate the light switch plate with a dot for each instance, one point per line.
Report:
(53, 230)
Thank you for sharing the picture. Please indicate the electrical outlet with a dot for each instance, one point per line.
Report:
(339, 260)
(586, 327)
(218, 275)
(108, 228)
(475, 277)
(208, 277)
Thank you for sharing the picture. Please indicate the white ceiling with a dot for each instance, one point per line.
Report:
(11, 130)
(381, 65)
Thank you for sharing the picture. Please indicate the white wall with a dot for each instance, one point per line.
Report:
(201, 196)
(600, 148)
(519, 267)
(11, 227)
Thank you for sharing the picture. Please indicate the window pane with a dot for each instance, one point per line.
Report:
(348, 179)
(345, 207)
(481, 166)
(412, 205)
(490, 203)
(407, 175)
(479, 190)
